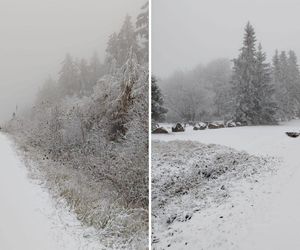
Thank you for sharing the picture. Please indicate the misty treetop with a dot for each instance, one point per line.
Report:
(247, 89)
(143, 29)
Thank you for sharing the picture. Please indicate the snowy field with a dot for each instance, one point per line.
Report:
(29, 218)
(259, 209)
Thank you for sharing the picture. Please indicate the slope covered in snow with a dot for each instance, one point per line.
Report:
(29, 218)
(261, 215)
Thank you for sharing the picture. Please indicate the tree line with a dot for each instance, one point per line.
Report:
(247, 89)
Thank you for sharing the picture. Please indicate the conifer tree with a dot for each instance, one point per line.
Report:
(129, 78)
(84, 78)
(119, 45)
(111, 50)
(142, 25)
(254, 94)
(244, 78)
(276, 67)
(68, 77)
(265, 104)
(127, 41)
(96, 71)
(286, 76)
(158, 111)
(293, 83)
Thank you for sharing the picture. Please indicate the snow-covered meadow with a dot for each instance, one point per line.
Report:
(249, 199)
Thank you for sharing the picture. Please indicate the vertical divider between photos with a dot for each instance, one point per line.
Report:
(149, 80)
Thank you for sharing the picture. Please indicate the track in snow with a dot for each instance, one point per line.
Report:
(28, 218)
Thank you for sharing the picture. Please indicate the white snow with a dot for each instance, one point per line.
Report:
(28, 218)
(265, 215)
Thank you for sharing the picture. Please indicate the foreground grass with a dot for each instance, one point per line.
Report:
(95, 203)
(190, 177)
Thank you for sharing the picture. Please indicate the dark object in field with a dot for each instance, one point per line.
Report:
(231, 124)
(292, 134)
(160, 130)
(200, 126)
(171, 218)
(178, 128)
(215, 125)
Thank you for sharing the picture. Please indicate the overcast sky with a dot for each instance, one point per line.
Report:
(36, 35)
(186, 33)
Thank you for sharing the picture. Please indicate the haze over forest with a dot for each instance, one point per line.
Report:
(37, 34)
(186, 33)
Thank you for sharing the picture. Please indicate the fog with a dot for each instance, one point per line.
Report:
(36, 35)
(185, 33)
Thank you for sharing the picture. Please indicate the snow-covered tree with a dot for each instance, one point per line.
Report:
(84, 77)
(187, 97)
(293, 82)
(119, 45)
(265, 104)
(112, 51)
(252, 88)
(142, 24)
(96, 69)
(68, 77)
(130, 75)
(286, 78)
(243, 79)
(48, 93)
(218, 75)
(158, 111)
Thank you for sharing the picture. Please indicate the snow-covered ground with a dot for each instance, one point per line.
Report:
(29, 219)
(261, 215)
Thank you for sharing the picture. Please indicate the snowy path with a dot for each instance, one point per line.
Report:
(272, 222)
(28, 219)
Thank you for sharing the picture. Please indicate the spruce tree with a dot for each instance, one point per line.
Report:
(252, 88)
(127, 41)
(158, 111)
(243, 79)
(84, 78)
(280, 90)
(120, 46)
(96, 70)
(142, 25)
(68, 77)
(112, 50)
(265, 104)
(284, 93)
(293, 83)
(286, 77)
(276, 67)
